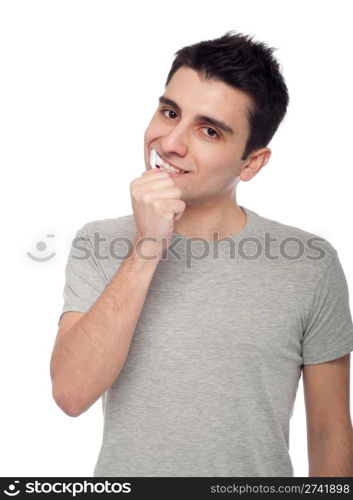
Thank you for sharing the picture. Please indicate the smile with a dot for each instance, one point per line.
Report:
(157, 161)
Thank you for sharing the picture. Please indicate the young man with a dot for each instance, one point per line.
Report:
(196, 338)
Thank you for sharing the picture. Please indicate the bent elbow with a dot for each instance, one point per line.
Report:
(71, 411)
(66, 405)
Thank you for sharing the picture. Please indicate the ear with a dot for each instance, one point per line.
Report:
(254, 163)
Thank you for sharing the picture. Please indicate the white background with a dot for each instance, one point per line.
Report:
(79, 83)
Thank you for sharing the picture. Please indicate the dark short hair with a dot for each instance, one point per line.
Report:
(248, 66)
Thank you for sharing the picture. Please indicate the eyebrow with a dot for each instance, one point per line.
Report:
(213, 121)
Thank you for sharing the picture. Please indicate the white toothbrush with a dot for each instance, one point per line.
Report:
(154, 157)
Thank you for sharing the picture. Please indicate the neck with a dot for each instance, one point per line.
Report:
(225, 219)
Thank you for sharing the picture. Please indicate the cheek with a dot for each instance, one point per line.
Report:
(153, 129)
(152, 133)
(213, 168)
(147, 135)
(217, 175)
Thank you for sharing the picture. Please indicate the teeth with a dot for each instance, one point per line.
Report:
(156, 160)
(169, 168)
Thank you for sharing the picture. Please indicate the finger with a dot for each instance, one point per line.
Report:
(145, 187)
(153, 170)
(169, 193)
(148, 179)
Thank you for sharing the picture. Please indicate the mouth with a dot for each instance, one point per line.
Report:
(163, 165)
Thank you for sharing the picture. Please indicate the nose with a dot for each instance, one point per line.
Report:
(175, 142)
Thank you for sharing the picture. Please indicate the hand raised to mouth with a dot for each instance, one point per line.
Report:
(156, 205)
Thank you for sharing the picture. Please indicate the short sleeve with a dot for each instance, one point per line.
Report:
(329, 330)
(84, 278)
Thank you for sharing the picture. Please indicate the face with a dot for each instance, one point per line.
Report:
(201, 126)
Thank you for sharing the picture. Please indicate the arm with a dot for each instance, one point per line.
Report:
(329, 426)
(90, 352)
(89, 356)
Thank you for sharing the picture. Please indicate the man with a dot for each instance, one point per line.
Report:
(196, 339)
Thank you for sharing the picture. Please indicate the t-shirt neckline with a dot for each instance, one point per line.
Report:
(250, 219)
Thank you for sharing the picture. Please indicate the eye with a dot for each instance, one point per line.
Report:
(168, 110)
(214, 135)
(213, 130)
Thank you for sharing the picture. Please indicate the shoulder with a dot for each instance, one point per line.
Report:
(108, 241)
(299, 249)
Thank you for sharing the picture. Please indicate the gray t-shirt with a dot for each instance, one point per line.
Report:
(209, 384)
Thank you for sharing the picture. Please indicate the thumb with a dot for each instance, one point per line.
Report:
(177, 216)
(179, 208)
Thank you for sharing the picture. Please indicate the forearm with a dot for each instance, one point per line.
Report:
(331, 454)
(89, 357)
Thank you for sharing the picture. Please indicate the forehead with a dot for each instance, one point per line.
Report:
(197, 95)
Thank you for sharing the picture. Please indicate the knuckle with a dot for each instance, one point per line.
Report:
(146, 197)
(133, 189)
(157, 204)
(132, 184)
(134, 193)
